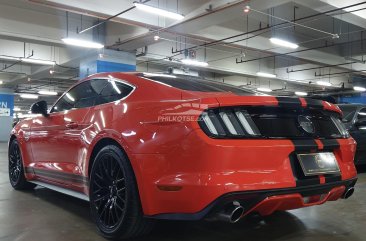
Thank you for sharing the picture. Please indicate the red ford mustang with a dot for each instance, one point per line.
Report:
(142, 147)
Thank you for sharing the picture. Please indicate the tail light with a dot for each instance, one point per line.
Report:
(228, 124)
(340, 126)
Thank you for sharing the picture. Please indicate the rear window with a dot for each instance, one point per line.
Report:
(196, 84)
(348, 112)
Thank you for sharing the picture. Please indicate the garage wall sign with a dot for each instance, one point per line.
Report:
(6, 104)
(4, 112)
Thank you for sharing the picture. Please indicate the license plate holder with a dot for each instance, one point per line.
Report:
(314, 164)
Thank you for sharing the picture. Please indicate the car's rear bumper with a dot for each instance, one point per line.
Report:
(265, 202)
(198, 170)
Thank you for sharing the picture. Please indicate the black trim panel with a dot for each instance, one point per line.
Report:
(68, 177)
(251, 198)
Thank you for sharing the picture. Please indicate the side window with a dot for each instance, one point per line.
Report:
(113, 91)
(81, 96)
(362, 115)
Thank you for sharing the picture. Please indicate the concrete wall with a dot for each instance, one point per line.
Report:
(6, 123)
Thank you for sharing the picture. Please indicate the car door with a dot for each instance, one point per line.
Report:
(55, 140)
(77, 121)
(45, 143)
(359, 134)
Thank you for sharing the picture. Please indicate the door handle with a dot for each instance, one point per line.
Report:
(72, 125)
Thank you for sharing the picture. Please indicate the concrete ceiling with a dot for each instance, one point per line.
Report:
(37, 26)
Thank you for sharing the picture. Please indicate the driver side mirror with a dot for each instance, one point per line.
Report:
(40, 108)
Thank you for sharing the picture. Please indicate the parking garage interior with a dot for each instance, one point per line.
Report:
(308, 49)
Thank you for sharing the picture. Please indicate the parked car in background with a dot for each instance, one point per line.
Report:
(354, 119)
(142, 147)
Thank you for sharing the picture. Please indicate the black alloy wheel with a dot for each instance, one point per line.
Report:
(114, 199)
(108, 191)
(16, 170)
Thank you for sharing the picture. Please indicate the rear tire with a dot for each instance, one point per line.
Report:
(114, 199)
(16, 168)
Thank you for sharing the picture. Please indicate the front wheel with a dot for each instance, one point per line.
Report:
(114, 198)
(16, 169)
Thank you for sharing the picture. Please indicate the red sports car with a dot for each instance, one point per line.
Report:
(142, 147)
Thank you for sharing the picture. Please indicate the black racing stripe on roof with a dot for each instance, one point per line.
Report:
(313, 103)
(288, 102)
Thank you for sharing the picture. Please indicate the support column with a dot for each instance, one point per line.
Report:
(107, 61)
(6, 115)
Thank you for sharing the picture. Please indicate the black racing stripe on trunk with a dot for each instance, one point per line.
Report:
(60, 176)
(307, 182)
(333, 178)
(312, 103)
(305, 145)
(330, 144)
(289, 102)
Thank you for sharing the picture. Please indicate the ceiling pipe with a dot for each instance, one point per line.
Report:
(127, 22)
(166, 29)
(206, 44)
(345, 72)
(273, 26)
(110, 18)
(216, 42)
(97, 15)
(360, 61)
(299, 51)
(325, 66)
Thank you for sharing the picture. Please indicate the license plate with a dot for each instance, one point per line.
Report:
(314, 164)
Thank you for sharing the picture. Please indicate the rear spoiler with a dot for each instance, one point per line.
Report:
(289, 102)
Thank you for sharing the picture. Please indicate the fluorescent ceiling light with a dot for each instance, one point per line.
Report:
(194, 62)
(82, 43)
(1, 82)
(323, 83)
(267, 75)
(359, 88)
(299, 93)
(29, 96)
(9, 58)
(283, 43)
(16, 109)
(28, 60)
(37, 61)
(158, 11)
(262, 89)
(159, 75)
(46, 92)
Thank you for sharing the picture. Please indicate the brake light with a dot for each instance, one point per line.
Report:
(228, 123)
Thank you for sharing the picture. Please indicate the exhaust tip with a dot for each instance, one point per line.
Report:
(236, 214)
(348, 193)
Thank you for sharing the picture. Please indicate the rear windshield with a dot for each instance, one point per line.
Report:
(348, 112)
(196, 84)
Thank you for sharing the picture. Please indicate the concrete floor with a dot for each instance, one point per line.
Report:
(47, 215)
